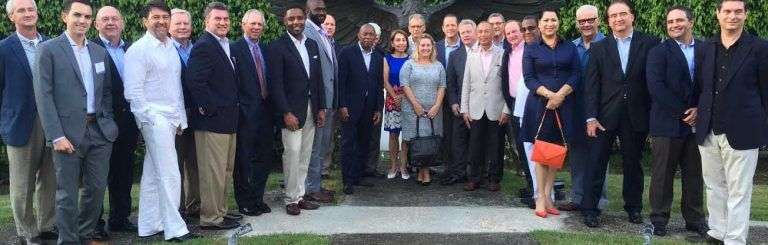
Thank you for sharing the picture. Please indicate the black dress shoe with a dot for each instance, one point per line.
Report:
(125, 226)
(706, 238)
(449, 181)
(700, 229)
(225, 224)
(250, 211)
(591, 221)
(349, 190)
(634, 218)
(99, 234)
(49, 235)
(659, 230)
(529, 202)
(363, 183)
(185, 237)
(263, 207)
(570, 206)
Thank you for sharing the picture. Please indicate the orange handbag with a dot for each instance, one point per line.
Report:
(546, 153)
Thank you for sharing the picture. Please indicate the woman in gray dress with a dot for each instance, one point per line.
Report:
(423, 82)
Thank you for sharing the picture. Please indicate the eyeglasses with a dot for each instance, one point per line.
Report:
(529, 29)
(586, 21)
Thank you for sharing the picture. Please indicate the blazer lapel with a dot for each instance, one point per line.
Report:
(613, 52)
(494, 67)
(738, 57)
(18, 49)
(98, 82)
(634, 45)
(221, 51)
(679, 57)
(67, 48)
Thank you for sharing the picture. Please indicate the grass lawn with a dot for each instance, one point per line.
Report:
(577, 238)
(281, 239)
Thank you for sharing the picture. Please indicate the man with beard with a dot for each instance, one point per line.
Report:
(323, 136)
(151, 65)
(497, 22)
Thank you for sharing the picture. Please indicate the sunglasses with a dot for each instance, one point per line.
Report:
(529, 29)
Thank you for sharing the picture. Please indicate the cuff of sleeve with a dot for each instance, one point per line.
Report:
(592, 119)
(59, 139)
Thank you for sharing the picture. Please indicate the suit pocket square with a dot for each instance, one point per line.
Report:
(314, 57)
(99, 67)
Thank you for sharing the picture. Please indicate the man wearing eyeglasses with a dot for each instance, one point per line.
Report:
(530, 29)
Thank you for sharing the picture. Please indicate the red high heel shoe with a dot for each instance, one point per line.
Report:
(553, 211)
(542, 214)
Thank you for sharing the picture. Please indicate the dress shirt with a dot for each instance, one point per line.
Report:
(623, 45)
(582, 50)
(515, 67)
(224, 42)
(486, 56)
(153, 81)
(116, 52)
(366, 56)
(83, 57)
(688, 52)
(184, 51)
(450, 48)
(30, 49)
(258, 61)
(299, 44)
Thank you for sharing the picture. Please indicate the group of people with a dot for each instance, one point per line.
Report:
(208, 111)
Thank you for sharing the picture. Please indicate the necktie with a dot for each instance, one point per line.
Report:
(256, 53)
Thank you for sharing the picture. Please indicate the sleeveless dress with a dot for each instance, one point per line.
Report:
(392, 110)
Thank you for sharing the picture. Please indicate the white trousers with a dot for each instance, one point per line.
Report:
(160, 194)
(532, 167)
(728, 179)
(297, 151)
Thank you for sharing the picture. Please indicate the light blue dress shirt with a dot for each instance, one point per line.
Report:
(582, 50)
(30, 49)
(623, 45)
(184, 52)
(688, 52)
(116, 52)
(450, 48)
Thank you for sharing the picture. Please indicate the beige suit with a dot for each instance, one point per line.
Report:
(481, 92)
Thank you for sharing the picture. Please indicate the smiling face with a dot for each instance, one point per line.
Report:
(367, 36)
(157, 23)
(530, 31)
(294, 21)
(329, 25)
(24, 14)
(400, 43)
(316, 11)
(549, 24)
(217, 22)
(467, 34)
(78, 19)
(253, 25)
(620, 18)
(181, 26)
(587, 22)
(732, 15)
(512, 33)
(484, 34)
(109, 23)
(679, 27)
(450, 26)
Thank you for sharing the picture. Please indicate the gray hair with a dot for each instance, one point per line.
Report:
(469, 23)
(376, 29)
(11, 5)
(254, 11)
(496, 15)
(587, 7)
(419, 16)
(181, 11)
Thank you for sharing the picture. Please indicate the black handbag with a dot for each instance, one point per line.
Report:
(423, 149)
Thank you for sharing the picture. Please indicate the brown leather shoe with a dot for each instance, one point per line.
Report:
(470, 186)
(292, 209)
(304, 204)
(570, 206)
(494, 187)
(319, 197)
(326, 191)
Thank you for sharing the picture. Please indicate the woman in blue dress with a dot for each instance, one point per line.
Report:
(392, 106)
(551, 71)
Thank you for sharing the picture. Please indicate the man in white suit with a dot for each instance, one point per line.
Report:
(483, 108)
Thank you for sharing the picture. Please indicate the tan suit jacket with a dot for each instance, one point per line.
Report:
(480, 93)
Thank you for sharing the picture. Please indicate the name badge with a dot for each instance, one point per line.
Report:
(99, 67)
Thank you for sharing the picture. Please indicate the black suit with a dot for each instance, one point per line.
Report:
(447, 143)
(255, 130)
(620, 102)
(513, 129)
(213, 85)
(460, 133)
(360, 91)
(120, 178)
(289, 86)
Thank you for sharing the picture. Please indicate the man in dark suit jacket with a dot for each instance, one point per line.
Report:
(456, 171)
(213, 83)
(255, 130)
(30, 167)
(445, 47)
(296, 92)
(674, 97)
(617, 105)
(109, 24)
(360, 102)
(732, 122)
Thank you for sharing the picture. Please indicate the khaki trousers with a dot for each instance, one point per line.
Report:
(297, 151)
(30, 168)
(215, 161)
(728, 177)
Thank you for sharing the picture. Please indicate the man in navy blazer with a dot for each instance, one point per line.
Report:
(445, 47)
(30, 165)
(360, 103)
(732, 121)
(674, 96)
(255, 129)
(297, 96)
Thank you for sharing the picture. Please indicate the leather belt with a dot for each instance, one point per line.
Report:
(90, 118)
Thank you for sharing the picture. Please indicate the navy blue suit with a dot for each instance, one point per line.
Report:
(745, 94)
(18, 101)
(440, 46)
(360, 91)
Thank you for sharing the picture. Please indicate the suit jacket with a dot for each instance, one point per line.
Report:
(440, 46)
(212, 82)
(671, 88)
(455, 75)
(328, 63)
(359, 87)
(745, 93)
(290, 87)
(17, 99)
(480, 93)
(249, 85)
(609, 92)
(505, 77)
(60, 92)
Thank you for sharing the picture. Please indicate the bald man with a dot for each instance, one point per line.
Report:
(110, 24)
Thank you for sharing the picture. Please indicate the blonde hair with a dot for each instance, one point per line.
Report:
(432, 55)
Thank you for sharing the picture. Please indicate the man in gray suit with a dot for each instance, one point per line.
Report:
(323, 135)
(74, 97)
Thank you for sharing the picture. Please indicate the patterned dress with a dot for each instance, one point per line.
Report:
(424, 81)
(392, 110)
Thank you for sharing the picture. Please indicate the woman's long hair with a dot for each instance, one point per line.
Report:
(432, 56)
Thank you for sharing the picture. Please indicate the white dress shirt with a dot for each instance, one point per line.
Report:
(299, 44)
(83, 57)
(224, 42)
(153, 81)
(366, 56)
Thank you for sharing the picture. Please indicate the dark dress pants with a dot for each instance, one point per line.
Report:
(355, 142)
(483, 148)
(252, 154)
(512, 131)
(631, 148)
(447, 141)
(457, 168)
(121, 165)
(668, 154)
(372, 162)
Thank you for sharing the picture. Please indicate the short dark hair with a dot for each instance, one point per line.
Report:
(688, 12)
(451, 16)
(214, 5)
(530, 17)
(67, 5)
(294, 6)
(625, 2)
(720, 4)
(154, 4)
(541, 15)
